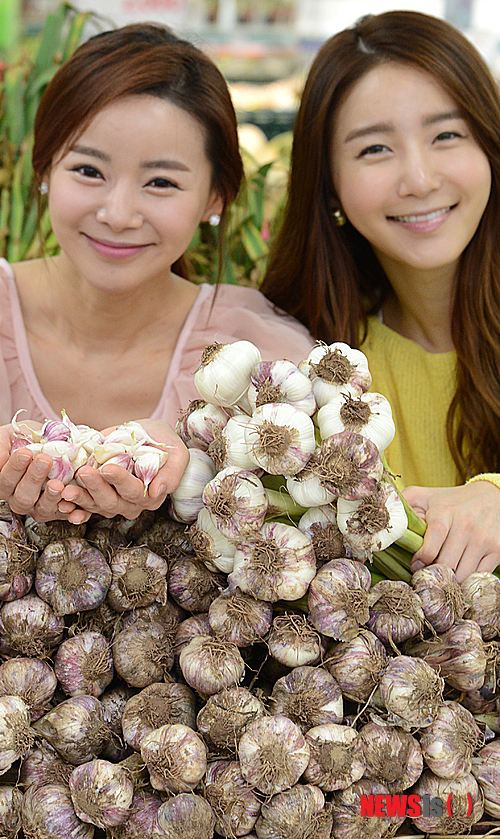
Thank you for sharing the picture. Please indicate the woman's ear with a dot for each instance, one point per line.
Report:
(215, 206)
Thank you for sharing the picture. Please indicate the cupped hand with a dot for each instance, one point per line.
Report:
(24, 485)
(463, 526)
(113, 490)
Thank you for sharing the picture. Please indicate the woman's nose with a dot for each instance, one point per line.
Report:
(119, 211)
(419, 175)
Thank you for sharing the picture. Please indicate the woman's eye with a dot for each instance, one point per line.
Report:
(448, 135)
(162, 183)
(87, 170)
(376, 148)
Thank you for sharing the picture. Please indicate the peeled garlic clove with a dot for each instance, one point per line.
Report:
(338, 598)
(273, 754)
(75, 729)
(299, 811)
(392, 756)
(481, 591)
(235, 805)
(48, 813)
(440, 594)
(336, 759)
(162, 703)
(225, 716)
(449, 742)
(138, 578)
(84, 664)
(357, 665)
(209, 664)
(30, 678)
(240, 618)
(186, 815)
(101, 792)
(72, 576)
(309, 696)
(176, 758)
(293, 641)
(411, 691)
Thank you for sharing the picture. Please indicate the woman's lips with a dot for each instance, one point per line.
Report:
(115, 249)
(424, 222)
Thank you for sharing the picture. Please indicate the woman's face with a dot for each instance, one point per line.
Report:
(409, 174)
(126, 198)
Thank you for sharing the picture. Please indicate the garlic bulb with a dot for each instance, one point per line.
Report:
(75, 729)
(277, 563)
(197, 426)
(209, 664)
(72, 576)
(481, 591)
(237, 500)
(192, 585)
(369, 414)
(211, 547)
(225, 716)
(186, 815)
(273, 754)
(101, 793)
(138, 579)
(357, 665)
(113, 702)
(235, 805)
(372, 523)
(30, 678)
(239, 618)
(392, 756)
(142, 814)
(162, 703)
(84, 664)
(338, 598)
(223, 376)
(348, 465)
(143, 653)
(458, 654)
(320, 524)
(167, 538)
(486, 770)
(11, 802)
(334, 369)
(48, 813)
(280, 381)
(186, 501)
(189, 629)
(299, 811)
(43, 766)
(230, 447)
(293, 641)
(440, 594)
(336, 760)
(41, 534)
(306, 487)
(280, 438)
(465, 797)
(449, 742)
(176, 757)
(411, 691)
(17, 560)
(309, 696)
(16, 735)
(348, 819)
(396, 612)
(29, 627)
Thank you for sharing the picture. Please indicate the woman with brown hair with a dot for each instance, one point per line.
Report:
(390, 242)
(135, 145)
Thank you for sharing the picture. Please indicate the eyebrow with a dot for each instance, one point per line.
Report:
(147, 164)
(387, 127)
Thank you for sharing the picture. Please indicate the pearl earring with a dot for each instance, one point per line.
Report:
(339, 217)
(44, 188)
(214, 219)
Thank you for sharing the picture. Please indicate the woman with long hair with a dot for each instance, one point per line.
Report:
(390, 242)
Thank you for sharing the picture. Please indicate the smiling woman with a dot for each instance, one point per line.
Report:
(135, 146)
(390, 243)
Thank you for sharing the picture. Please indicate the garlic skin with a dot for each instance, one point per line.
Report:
(273, 754)
(84, 664)
(369, 414)
(209, 664)
(320, 524)
(16, 735)
(336, 759)
(458, 654)
(143, 653)
(396, 612)
(192, 585)
(449, 742)
(309, 696)
(357, 665)
(43, 766)
(338, 599)
(223, 376)
(372, 523)
(72, 576)
(277, 563)
(30, 678)
(75, 729)
(189, 629)
(281, 381)
(176, 758)
(230, 448)
(349, 466)
(186, 815)
(481, 591)
(240, 618)
(486, 770)
(280, 438)
(48, 813)
(17, 560)
(186, 501)
(306, 487)
(299, 811)
(162, 703)
(411, 691)
(11, 802)
(234, 804)
(101, 792)
(138, 579)
(224, 717)
(29, 627)
(142, 814)
(334, 369)
(465, 794)
(40, 534)
(347, 819)
(440, 594)
(237, 500)
(211, 547)
(293, 641)
(198, 425)
(113, 702)
(392, 756)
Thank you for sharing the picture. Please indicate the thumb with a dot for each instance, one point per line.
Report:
(418, 498)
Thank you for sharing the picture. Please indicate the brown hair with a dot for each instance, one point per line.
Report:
(141, 58)
(329, 277)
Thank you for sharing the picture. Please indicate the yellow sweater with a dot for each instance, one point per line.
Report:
(419, 385)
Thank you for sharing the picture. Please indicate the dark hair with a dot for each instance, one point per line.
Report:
(329, 277)
(140, 58)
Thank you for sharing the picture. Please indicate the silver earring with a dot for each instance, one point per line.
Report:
(339, 217)
(44, 188)
(214, 220)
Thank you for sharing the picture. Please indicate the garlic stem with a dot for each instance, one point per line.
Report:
(410, 541)
(390, 567)
(415, 523)
(280, 501)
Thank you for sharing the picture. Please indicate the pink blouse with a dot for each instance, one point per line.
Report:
(235, 313)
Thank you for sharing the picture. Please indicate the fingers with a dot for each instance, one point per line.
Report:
(22, 480)
(95, 494)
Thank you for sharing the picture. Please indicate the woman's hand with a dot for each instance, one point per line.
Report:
(22, 479)
(113, 491)
(463, 526)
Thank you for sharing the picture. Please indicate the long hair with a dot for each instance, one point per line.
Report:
(329, 277)
(135, 59)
